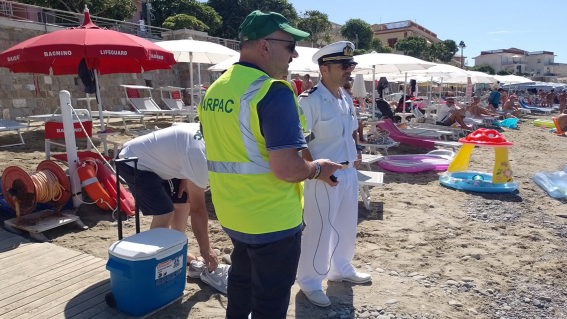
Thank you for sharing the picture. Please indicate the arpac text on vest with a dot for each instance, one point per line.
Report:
(217, 105)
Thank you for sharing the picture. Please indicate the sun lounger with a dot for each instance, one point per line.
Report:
(147, 105)
(6, 125)
(365, 179)
(173, 101)
(535, 109)
(558, 129)
(82, 113)
(123, 115)
(398, 136)
(368, 159)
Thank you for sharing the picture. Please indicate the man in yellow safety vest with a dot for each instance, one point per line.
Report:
(253, 128)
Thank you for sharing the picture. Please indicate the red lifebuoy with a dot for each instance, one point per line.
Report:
(108, 181)
(87, 175)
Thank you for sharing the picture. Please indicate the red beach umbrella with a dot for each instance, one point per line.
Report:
(105, 52)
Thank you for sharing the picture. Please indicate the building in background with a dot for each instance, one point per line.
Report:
(539, 64)
(391, 33)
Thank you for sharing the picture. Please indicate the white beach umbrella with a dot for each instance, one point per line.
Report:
(390, 63)
(512, 79)
(441, 70)
(476, 77)
(358, 87)
(193, 51)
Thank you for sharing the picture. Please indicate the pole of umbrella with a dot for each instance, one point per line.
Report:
(100, 116)
(191, 77)
(404, 93)
(373, 91)
(199, 79)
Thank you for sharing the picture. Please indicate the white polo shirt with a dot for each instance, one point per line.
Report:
(173, 152)
(332, 121)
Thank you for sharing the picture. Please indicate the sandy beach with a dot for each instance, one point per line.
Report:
(433, 252)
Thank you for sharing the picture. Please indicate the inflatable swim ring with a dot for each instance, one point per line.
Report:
(475, 182)
(554, 183)
(547, 123)
(500, 181)
(435, 160)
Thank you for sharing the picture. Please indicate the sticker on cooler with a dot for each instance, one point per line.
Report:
(168, 270)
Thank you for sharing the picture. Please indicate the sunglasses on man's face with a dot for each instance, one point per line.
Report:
(344, 65)
(290, 47)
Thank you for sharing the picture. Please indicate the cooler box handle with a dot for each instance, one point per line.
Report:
(118, 268)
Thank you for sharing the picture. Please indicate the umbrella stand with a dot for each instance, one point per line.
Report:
(199, 79)
(373, 91)
(191, 77)
(404, 93)
(101, 117)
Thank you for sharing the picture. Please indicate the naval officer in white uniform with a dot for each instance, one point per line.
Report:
(331, 213)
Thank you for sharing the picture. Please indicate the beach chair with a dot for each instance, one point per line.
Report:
(82, 114)
(558, 129)
(368, 159)
(523, 105)
(365, 180)
(6, 126)
(418, 141)
(173, 101)
(147, 105)
(123, 115)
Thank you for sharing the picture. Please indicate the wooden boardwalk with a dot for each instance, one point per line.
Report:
(42, 280)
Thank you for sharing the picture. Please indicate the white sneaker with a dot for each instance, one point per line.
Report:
(318, 298)
(357, 278)
(195, 268)
(217, 279)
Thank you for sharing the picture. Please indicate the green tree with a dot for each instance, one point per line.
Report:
(413, 46)
(111, 9)
(359, 32)
(359, 51)
(163, 9)
(447, 51)
(233, 13)
(316, 23)
(378, 46)
(183, 21)
(504, 72)
(484, 68)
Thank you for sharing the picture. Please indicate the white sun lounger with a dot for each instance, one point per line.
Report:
(123, 115)
(82, 113)
(147, 105)
(173, 101)
(368, 159)
(366, 179)
(6, 125)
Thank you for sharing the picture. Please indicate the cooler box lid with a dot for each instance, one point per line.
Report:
(155, 243)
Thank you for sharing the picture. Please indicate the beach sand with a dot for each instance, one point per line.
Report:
(433, 252)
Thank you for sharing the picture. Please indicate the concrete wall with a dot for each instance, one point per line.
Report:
(28, 94)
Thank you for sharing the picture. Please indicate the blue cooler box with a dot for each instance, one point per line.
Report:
(148, 270)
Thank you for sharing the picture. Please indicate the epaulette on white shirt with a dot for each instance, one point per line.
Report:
(306, 93)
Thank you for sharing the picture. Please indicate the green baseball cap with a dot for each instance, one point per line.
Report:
(259, 24)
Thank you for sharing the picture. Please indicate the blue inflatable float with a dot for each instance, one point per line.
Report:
(554, 183)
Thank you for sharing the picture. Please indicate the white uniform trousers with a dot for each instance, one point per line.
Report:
(327, 245)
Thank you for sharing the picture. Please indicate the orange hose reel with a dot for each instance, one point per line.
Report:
(20, 192)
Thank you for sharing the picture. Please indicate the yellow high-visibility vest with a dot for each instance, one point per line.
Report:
(248, 197)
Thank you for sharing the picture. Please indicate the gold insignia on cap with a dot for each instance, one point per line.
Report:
(348, 51)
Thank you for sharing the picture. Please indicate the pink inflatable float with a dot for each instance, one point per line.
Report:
(433, 161)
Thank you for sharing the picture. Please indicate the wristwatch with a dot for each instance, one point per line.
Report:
(359, 147)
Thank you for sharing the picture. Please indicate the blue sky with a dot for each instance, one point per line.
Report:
(483, 25)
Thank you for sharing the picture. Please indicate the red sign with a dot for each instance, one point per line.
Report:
(54, 130)
(175, 95)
